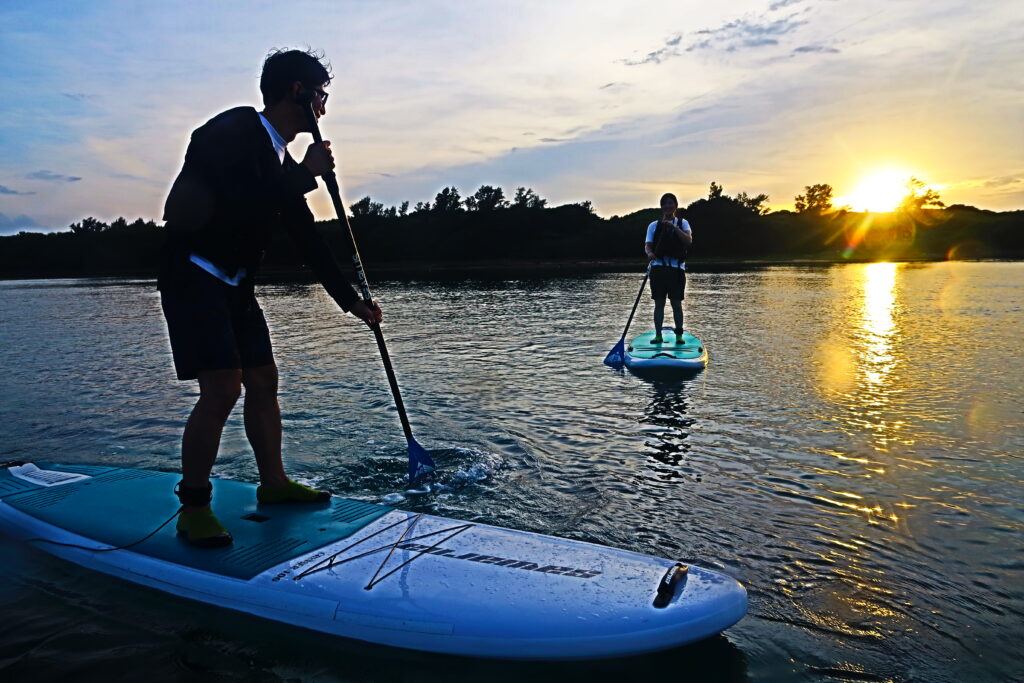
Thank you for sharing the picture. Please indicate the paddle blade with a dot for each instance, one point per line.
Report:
(617, 356)
(420, 462)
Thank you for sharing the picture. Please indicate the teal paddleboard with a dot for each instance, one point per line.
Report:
(644, 354)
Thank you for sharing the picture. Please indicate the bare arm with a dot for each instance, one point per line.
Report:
(649, 246)
(684, 236)
(318, 256)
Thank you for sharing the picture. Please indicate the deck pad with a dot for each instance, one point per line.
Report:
(120, 506)
(10, 485)
(641, 346)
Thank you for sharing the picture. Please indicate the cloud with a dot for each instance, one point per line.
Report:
(816, 48)
(6, 190)
(743, 33)
(735, 35)
(1002, 181)
(753, 42)
(668, 50)
(56, 177)
(779, 4)
(76, 96)
(1000, 192)
(14, 224)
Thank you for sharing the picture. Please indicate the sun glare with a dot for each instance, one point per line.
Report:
(879, 192)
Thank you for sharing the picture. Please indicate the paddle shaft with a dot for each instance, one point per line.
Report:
(331, 181)
(636, 303)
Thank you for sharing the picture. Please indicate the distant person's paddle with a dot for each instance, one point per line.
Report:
(617, 356)
(420, 461)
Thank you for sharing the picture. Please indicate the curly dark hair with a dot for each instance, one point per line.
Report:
(283, 67)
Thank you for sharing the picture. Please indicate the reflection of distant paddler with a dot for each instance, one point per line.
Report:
(668, 408)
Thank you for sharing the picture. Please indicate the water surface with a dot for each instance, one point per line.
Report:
(852, 454)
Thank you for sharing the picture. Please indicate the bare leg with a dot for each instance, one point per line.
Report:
(659, 315)
(218, 392)
(263, 423)
(677, 314)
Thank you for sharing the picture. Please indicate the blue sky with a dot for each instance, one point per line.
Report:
(615, 102)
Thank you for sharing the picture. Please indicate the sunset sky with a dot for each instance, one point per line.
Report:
(615, 102)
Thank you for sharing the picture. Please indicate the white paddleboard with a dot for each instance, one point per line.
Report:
(374, 573)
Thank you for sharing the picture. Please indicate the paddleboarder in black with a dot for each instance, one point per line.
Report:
(666, 244)
(237, 188)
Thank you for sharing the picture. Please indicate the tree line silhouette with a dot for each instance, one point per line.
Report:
(489, 228)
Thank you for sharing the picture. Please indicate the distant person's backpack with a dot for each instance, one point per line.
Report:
(667, 243)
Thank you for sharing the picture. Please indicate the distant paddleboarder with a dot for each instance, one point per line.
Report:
(667, 242)
(238, 187)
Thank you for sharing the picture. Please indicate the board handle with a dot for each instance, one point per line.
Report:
(673, 579)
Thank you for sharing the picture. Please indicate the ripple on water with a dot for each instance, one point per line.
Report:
(861, 480)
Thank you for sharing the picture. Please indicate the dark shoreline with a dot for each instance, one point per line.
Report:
(448, 270)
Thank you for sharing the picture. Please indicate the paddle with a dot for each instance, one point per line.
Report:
(617, 356)
(420, 461)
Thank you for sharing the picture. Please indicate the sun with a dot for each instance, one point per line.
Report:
(879, 192)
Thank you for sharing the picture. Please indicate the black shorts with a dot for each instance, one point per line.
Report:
(213, 325)
(667, 281)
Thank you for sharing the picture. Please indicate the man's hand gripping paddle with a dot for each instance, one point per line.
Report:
(420, 461)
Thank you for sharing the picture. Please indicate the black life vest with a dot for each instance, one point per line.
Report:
(667, 243)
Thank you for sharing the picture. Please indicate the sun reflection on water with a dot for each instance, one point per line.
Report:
(877, 334)
(879, 324)
(860, 377)
(859, 360)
